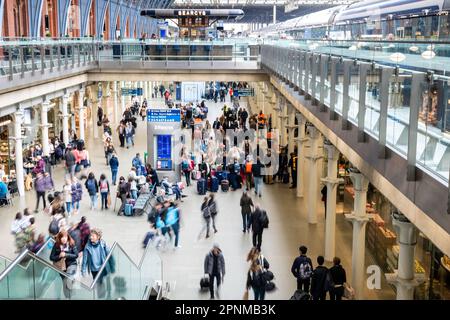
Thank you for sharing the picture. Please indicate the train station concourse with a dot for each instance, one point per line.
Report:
(224, 150)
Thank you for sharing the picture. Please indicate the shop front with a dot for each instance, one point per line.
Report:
(382, 242)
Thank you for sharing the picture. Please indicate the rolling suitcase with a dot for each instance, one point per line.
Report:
(300, 295)
(201, 186)
(128, 211)
(225, 185)
(204, 282)
(214, 184)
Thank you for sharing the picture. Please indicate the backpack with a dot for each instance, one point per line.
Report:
(91, 185)
(212, 208)
(185, 165)
(237, 167)
(264, 219)
(305, 270)
(248, 167)
(103, 185)
(53, 228)
(206, 212)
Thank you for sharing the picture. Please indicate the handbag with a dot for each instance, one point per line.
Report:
(60, 264)
(349, 292)
(108, 199)
(245, 297)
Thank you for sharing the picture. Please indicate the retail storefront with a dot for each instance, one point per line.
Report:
(381, 240)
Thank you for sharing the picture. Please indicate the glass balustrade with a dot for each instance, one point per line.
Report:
(405, 59)
(35, 277)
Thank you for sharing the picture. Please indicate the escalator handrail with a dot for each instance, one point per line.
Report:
(20, 257)
(13, 264)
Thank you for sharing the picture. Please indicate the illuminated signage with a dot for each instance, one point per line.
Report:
(191, 13)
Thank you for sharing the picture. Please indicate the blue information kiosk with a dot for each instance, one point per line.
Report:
(163, 139)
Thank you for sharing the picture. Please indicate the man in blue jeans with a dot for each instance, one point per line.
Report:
(137, 163)
(114, 165)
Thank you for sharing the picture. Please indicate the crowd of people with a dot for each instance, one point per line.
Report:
(78, 247)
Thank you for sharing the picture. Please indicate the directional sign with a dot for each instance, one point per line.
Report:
(246, 92)
(163, 115)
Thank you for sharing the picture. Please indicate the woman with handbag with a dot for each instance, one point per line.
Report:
(64, 256)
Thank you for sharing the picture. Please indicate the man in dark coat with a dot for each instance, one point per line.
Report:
(214, 266)
(319, 280)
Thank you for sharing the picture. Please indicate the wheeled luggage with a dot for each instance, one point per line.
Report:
(201, 186)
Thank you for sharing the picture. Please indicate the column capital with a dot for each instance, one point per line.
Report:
(312, 131)
(300, 118)
(360, 182)
(358, 219)
(394, 279)
(332, 151)
(65, 98)
(406, 231)
(332, 181)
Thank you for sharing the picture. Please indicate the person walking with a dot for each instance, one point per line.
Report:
(133, 188)
(319, 280)
(206, 214)
(103, 185)
(302, 270)
(122, 193)
(40, 186)
(25, 237)
(293, 165)
(64, 255)
(121, 132)
(337, 280)
(114, 165)
(248, 173)
(257, 176)
(256, 281)
(67, 192)
(212, 205)
(129, 134)
(246, 204)
(137, 163)
(70, 159)
(259, 221)
(172, 221)
(91, 185)
(214, 267)
(143, 111)
(94, 256)
(77, 193)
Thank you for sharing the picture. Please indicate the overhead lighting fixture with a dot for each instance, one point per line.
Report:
(428, 54)
(414, 48)
(397, 57)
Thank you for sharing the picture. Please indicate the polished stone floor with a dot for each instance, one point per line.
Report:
(184, 266)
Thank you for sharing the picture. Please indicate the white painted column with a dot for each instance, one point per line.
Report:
(291, 127)
(274, 14)
(81, 111)
(44, 128)
(359, 218)
(313, 174)
(331, 181)
(65, 118)
(116, 106)
(405, 279)
(18, 120)
(301, 141)
(122, 99)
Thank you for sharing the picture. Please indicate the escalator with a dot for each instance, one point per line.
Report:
(33, 277)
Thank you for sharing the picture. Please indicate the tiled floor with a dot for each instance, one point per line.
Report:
(184, 266)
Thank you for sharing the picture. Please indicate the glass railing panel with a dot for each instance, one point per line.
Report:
(151, 266)
(433, 126)
(4, 262)
(371, 123)
(19, 282)
(398, 111)
(353, 92)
